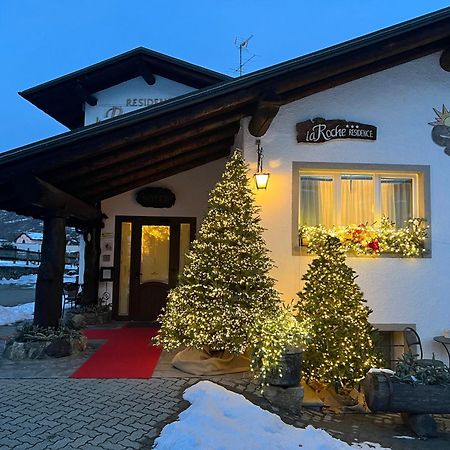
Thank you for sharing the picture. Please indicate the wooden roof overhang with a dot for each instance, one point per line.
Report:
(64, 98)
(105, 159)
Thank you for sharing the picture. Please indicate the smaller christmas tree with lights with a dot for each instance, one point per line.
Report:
(225, 287)
(331, 305)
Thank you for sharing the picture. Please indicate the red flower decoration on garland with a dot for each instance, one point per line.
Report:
(374, 245)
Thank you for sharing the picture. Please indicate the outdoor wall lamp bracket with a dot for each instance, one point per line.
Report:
(261, 177)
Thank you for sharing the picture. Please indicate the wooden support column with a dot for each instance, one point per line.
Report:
(91, 265)
(49, 285)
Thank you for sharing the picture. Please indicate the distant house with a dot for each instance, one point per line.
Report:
(32, 241)
(29, 241)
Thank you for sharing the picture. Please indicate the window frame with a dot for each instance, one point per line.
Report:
(421, 190)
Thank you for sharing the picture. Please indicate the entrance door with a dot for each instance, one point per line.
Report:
(157, 248)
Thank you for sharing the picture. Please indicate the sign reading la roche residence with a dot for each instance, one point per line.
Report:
(318, 130)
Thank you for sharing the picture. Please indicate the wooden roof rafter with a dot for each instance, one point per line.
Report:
(62, 99)
(166, 169)
(149, 157)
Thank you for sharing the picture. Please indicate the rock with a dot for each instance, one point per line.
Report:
(423, 425)
(75, 321)
(288, 399)
(15, 350)
(97, 318)
(58, 348)
(79, 320)
(36, 350)
(24, 350)
(78, 345)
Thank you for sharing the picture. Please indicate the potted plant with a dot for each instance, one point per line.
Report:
(278, 348)
(34, 342)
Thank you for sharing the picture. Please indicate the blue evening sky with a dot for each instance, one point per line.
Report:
(43, 39)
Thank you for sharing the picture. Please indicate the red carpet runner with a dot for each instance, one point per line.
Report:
(127, 353)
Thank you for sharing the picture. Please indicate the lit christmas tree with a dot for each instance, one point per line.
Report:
(331, 305)
(224, 288)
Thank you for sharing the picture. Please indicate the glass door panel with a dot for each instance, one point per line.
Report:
(155, 254)
(125, 260)
(185, 242)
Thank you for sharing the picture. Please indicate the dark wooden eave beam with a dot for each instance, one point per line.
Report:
(36, 194)
(84, 95)
(238, 104)
(145, 72)
(214, 156)
(444, 60)
(365, 61)
(149, 157)
(266, 110)
(159, 171)
(323, 83)
(119, 155)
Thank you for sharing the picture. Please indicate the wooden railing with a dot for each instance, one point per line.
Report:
(28, 256)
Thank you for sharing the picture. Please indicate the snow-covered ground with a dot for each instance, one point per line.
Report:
(18, 264)
(30, 280)
(7, 263)
(12, 314)
(219, 419)
(17, 298)
(24, 280)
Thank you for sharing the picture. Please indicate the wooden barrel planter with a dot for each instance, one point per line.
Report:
(385, 393)
(415, 402)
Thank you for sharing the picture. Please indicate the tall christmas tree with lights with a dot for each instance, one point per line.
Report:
(332, 306)
(224, 288)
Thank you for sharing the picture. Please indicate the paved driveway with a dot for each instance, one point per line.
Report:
(89, 414)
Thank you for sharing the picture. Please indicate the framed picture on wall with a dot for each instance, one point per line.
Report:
(106, 273)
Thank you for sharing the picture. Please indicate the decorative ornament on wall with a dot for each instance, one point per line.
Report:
(155, 197)
(441, 129)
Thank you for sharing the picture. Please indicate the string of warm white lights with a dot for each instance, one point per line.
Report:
(225, 299)
(331, 306)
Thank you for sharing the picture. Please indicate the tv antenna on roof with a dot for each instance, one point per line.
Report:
(242, 44)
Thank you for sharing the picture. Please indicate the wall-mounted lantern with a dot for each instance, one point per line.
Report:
(261, 178)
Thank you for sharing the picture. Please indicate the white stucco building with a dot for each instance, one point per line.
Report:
(31, 241)
(144, 120)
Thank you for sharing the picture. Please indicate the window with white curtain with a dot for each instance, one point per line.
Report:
(331, 197)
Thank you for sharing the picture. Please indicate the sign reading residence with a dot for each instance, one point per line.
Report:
(318, 130)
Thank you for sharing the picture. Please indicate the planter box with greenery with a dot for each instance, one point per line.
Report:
(81, 316)
(416, 390)
(33, 342)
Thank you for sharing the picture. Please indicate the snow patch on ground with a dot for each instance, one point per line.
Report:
(13, 314)
(219, 419)
(30, 280)
(18, 264)
(24, 280)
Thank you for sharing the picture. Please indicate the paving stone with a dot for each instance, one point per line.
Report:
(125, 414)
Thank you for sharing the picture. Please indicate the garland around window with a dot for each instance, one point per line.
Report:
(372, 239)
